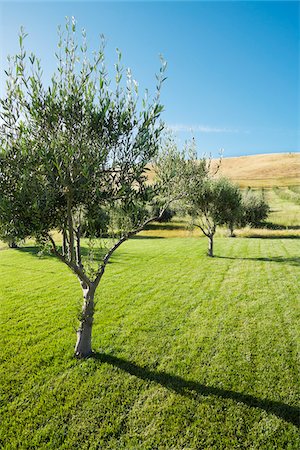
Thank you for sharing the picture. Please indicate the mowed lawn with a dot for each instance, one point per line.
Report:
(191, 352)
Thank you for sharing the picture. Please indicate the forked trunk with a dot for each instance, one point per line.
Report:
(210, 246)
(83, 347)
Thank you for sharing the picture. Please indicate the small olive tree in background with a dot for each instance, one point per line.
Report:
(255, 209)
(215, 201)
(74, 148)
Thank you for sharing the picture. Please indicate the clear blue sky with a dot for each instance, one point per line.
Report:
(233, 67)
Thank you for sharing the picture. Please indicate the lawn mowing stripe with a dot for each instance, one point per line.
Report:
(151, 386)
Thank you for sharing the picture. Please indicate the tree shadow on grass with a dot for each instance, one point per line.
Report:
(32, 250)
(164, 226)
(138, 237)
(193, 389)
(36, 251)
(295, 261)
(277, 226)
(283, 236)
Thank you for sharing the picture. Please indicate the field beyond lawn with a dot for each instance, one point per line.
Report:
(191, 352)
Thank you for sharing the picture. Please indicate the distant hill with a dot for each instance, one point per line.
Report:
(276, 169)
(269, 170)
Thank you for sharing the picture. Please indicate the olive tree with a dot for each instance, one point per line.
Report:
(215, 201)
(252, 211)
(255, 209)
(79, 145)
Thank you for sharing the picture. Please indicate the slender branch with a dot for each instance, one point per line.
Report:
(70, 229)
(77, 249)
(202, 229)
(124, 238)
(209, 225)
(77, 270)
(113, 248)
(218, 164)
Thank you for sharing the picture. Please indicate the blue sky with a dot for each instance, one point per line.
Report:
(233, 67)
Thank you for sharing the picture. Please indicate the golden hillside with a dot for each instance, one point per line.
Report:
(276, 169)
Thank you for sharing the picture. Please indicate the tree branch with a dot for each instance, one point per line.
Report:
(124, 238)
(77, 270)
(70, 229)
(78, 249)
(202, 229)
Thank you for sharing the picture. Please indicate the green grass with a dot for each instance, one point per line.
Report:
(285, 209)
(191, 352)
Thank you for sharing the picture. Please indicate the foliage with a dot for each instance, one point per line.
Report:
(285, 213)
(95, 223)
(166, 216)
(169, 168)
(255, 209)
(290, 194)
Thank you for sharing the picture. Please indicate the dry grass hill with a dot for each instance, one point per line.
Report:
(269, 170)
(262, 171)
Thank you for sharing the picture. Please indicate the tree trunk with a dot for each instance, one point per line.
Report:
(12, 244)
(83, 347)
(64, 243)
(231, 229)
(210, 246)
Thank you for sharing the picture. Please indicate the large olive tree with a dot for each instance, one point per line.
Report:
(73, 147)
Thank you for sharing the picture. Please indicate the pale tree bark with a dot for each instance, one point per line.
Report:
(83, 347)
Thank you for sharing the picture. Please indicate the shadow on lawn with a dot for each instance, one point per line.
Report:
(279, 259)
(283, 236)
(165, 226)
(277, 226)
(36, 251)
(33, 250)
(193, 389)
(138, 236)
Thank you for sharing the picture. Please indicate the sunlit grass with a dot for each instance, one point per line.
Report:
(285, 208)
(192, 352)
(268, 182)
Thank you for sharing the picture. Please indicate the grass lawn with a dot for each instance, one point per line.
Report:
(285, 207)
(191, 352)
